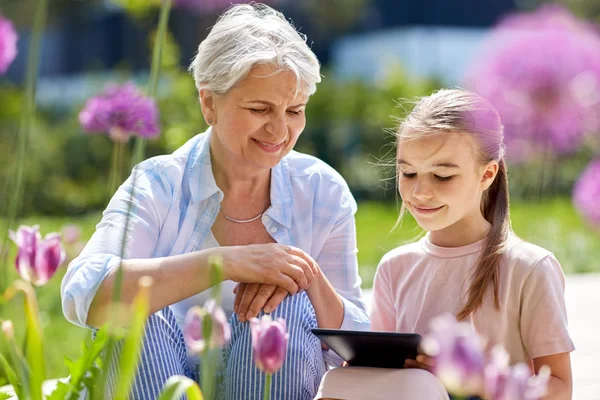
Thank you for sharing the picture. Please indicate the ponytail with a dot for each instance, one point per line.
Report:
(495, 209)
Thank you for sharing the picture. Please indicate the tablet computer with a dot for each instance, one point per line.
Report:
(371, 349)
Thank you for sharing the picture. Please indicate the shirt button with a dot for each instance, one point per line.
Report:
(273, 229)
(265, 218)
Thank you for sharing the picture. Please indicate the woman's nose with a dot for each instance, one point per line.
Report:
(278, 125)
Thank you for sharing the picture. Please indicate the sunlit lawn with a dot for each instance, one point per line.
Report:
(553, 224)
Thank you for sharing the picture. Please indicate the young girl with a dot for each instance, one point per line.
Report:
(452, 179)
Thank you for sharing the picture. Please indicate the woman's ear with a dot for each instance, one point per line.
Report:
(490, 170)
(207, 104)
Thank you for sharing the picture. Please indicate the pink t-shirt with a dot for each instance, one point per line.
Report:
(419, 281)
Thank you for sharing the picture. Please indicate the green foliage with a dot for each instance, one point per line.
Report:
(84, 371)
(177, 386)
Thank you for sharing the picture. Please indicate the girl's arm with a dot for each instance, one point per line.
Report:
(560, 385)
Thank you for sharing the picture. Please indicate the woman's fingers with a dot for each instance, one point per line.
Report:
(275, 299)
(239, 290)
(247, 297)
(262, 297)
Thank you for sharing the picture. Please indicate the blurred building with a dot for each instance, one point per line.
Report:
(432, 37)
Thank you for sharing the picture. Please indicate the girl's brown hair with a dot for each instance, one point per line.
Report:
(462, 111)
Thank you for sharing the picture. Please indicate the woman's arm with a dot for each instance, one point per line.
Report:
(560, 385)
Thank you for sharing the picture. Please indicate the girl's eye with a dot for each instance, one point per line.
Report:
(443, 178)
(406, 175)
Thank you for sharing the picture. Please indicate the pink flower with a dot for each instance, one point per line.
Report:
(8, 44)
(587, 192)
(269, 343)
(121, 111)
(37, 260)
(513, 383)
(201, 320)
(542, 73)
(459, 355)
(71, 233)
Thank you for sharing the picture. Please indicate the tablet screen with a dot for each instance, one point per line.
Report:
(371, 349)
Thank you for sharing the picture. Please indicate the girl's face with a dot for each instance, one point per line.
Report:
(441, 180)
(258, 121)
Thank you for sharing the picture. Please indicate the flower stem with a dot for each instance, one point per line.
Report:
(25, 124)
(267, 391)
(163, 23)
(115, 170)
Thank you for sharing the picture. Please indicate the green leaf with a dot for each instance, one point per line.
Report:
(4, 396)
(177, 385)
(84, 371)
(12, 377)
(133, 341)
(34, 374)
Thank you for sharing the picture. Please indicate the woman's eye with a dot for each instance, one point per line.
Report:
(407, 175)
(294, 112)
(258, 110)
(443, 178)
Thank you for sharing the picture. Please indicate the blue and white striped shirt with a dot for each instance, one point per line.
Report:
(175, 205)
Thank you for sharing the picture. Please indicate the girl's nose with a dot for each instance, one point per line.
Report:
(422, 190)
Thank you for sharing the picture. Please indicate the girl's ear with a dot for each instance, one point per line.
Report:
(207, 104)
(490, 170)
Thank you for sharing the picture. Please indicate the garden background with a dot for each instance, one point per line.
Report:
(410, 50)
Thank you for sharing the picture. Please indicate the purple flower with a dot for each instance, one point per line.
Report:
(542, 73)
(458, 353)
(121, 111)
(513, 383)
(269, 343)
(587, 192)
(71, 233)
(193, 330)
(37, 260)
(8, 44)
(197, 325)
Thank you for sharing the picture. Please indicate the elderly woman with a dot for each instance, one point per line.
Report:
(283, 222)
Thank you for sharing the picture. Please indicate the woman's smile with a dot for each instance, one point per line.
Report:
(268, 146)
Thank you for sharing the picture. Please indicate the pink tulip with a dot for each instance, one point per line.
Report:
(37, 260)
(8, 44)
(269, 342)
(195, 325)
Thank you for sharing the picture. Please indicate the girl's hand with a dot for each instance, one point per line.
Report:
(250, 298)
(285, 266)
(422, 362)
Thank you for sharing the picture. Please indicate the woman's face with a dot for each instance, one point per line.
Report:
(258, 121)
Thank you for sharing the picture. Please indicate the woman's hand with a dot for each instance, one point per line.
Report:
(422, 362)
(285, 266)
(250, 298)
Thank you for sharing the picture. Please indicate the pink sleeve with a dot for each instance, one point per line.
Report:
(543, 311)
(383, 312)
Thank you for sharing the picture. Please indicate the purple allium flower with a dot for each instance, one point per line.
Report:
(513, 383)
(37, 260)
(458, 353)
(542, 73)
(587, 192)
(8, 44)
(269, 343)
(196, 325)
(121, 111)
(71, 233)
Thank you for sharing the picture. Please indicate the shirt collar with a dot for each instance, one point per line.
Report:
(202, 184)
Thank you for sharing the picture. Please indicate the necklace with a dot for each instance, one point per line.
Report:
(242, 221)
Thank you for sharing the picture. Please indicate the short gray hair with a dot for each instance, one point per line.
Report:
(247, 35)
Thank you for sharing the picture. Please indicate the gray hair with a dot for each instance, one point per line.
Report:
(247, 35)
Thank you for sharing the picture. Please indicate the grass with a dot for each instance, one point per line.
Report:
(553, 224)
